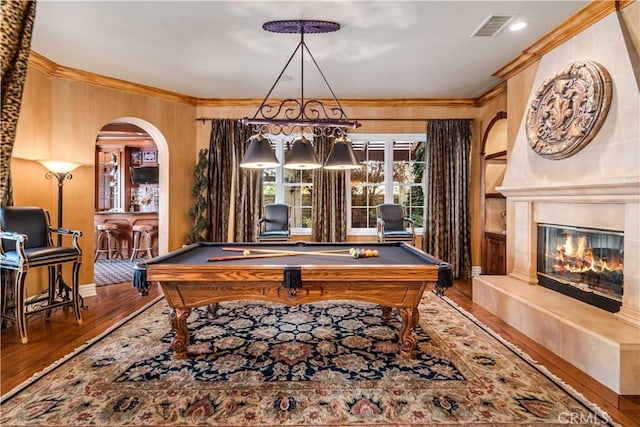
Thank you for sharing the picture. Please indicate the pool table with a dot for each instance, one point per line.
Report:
(204, 274)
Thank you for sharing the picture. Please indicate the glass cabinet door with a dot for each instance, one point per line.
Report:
(108, 184)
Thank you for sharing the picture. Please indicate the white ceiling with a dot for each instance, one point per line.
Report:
(218, 49)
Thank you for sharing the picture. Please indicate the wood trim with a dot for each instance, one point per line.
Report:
(350, 102)
(47, 66)
(584, 18)
(497, 155)
(494, 93)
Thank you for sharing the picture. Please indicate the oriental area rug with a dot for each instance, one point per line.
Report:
(327, 364)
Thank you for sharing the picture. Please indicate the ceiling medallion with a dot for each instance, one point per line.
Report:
(568, 110)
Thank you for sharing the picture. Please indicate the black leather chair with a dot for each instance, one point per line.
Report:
(392, 225)
(26, 242)
(275, 224)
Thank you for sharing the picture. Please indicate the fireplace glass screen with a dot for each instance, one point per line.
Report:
(584, 263)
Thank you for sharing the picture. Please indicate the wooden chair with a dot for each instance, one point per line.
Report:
(275, 224)
(393, 226)
(26, 242)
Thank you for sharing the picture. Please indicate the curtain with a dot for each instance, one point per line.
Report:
(234, 193)
(329, 198)
(248, 189)
(447, 231)
(220, 179)
(17, 27)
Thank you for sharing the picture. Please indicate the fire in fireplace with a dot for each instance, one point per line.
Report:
(584, 263)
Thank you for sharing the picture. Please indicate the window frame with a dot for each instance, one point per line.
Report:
(388, 184)
(278, 143)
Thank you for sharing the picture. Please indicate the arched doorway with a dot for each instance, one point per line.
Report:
(163, 178)
(132, 154)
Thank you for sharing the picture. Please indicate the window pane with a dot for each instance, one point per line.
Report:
(306, 192)
(296, 217)
(372, 217)
(375, 171)
(358, 196)
(268, 194)
(417, 214)
(292, 195)
(401, 172)
(359, 218)
(307, 220)
(269, 175)
(291, 175)
(376, 195)
(358, 176)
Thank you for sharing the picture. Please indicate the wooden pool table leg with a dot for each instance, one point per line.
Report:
(410, 317)
(178, 317)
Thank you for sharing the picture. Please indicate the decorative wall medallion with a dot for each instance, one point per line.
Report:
(568, 110)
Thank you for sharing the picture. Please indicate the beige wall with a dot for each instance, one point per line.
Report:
(61, 117)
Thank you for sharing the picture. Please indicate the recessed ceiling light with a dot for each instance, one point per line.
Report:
(517, 26)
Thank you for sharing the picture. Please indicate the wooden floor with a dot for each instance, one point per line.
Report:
(49, 340)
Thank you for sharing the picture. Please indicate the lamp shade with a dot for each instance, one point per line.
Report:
(301, 155)
(342, 156)
(259, 154)
(59, 166)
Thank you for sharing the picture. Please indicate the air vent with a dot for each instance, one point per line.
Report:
(492, 26)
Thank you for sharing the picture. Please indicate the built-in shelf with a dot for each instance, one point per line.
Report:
(494, 163)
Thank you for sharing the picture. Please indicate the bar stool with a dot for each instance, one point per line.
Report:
(142, 240)
(110, 232)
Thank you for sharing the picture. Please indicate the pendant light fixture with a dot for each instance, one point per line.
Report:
(298, 115)
(341, 156)
(301, 155)
(259, 154)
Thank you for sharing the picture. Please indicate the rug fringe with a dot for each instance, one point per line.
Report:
(537, 365)
(38, 375)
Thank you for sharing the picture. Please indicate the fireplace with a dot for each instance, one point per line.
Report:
(584, 263)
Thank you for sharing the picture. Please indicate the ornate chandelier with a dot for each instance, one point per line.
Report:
(300, 115)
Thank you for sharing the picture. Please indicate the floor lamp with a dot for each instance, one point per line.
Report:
(60, 170)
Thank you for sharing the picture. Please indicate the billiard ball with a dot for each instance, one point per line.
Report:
(246, 252)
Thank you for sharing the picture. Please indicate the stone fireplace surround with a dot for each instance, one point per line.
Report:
(599, 187)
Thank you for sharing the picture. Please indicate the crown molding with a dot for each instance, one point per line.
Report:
(350, 102)
(496, 92)
(581, 20)
(49, 67)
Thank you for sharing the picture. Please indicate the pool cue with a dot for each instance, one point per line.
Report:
(277, 251)
(236, 257)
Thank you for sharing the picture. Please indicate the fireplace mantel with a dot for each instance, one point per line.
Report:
(619, 190)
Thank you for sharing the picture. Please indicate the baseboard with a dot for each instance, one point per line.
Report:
(88, 290)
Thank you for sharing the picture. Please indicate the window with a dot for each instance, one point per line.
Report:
(294, 187)
(392, 172)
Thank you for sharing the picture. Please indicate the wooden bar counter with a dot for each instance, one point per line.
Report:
(126, 220)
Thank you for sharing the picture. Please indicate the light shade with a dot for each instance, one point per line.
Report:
(301, 155)
(59, 166)
(342, 156)
(259, 154)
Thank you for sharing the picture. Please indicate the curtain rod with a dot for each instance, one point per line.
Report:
(207, 119)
